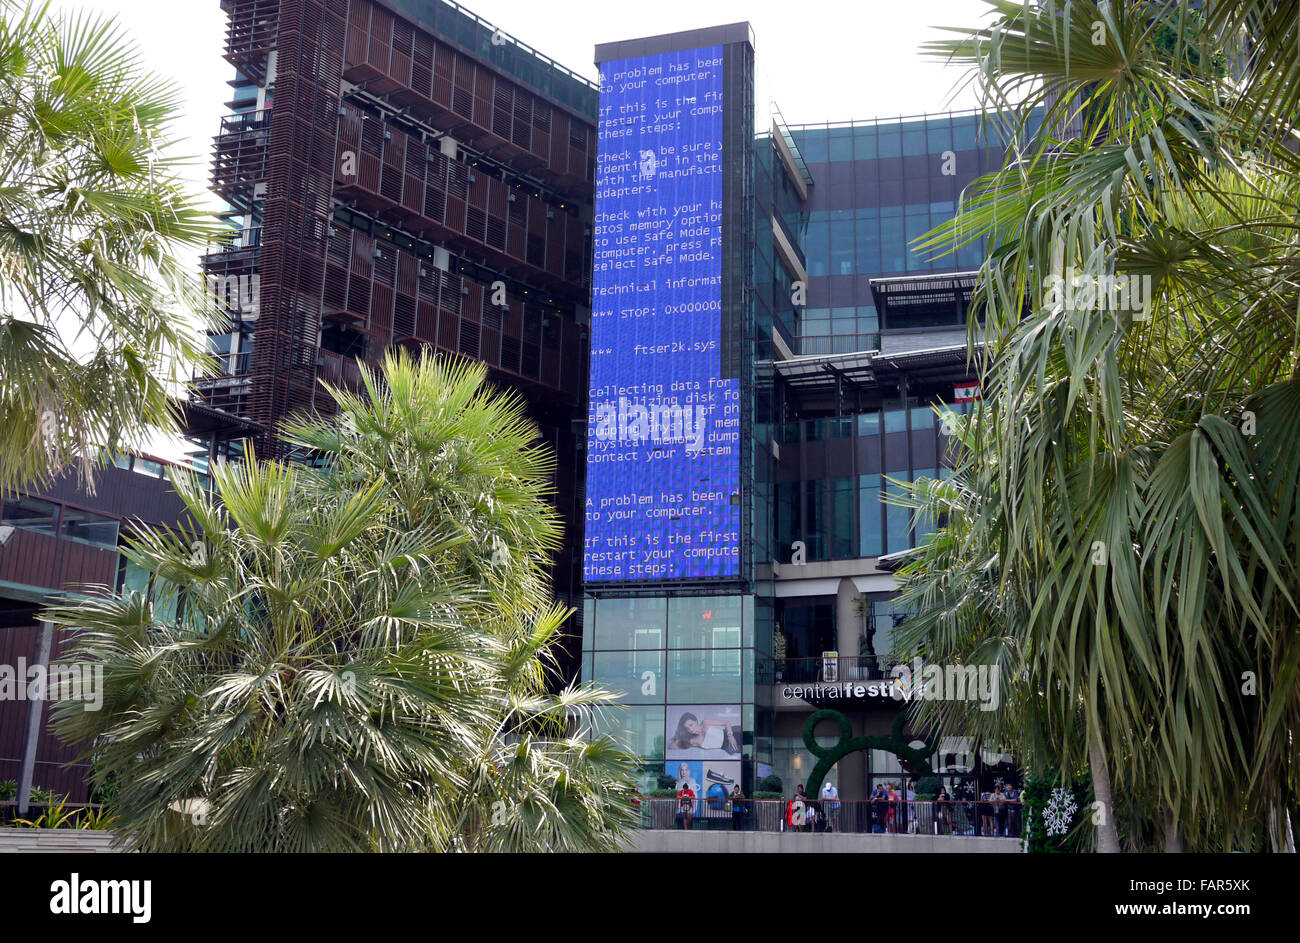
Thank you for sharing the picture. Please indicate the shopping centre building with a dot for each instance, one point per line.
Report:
(715, 319)
(768, 356)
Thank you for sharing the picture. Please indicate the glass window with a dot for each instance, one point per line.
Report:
(913, 139)
(89, 528)
(869, 516)
(145, 466)
(893, 251)
(693, 621)
(925, 525)
(814, 518)
(637, 676)
(895, 420)
(864, 142)
(132, 577)
(940, 136)
(639, 729)
(889, 140)
(971, 255)
(842, 247)
(706, 676)
(818, 249)
(918, 223)
(867, 249)
(841, 144)
(964, 132)
(630, 623)
(869, 423)
(868, 322)
(31, 514)
(842, 428)
(897, 519)
(812, 144)
(843, 544)
(922, 417)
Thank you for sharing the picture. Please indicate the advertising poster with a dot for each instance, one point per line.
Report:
(703, 732)
(710, 780)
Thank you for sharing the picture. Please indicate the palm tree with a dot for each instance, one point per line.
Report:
(1140, 465)
(341, 657)
(100, 322)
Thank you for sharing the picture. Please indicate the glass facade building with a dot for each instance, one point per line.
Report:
(880, 186)
(860, 343)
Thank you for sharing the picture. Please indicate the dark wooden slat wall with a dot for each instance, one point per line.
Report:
(43, 561)
(52, 756)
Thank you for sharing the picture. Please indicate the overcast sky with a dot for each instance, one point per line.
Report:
(831, 61)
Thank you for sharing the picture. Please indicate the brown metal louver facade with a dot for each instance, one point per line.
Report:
(392, 180)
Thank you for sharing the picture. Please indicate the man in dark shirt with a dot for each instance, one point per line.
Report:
(737, 799)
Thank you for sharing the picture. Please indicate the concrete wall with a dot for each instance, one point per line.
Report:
(55, 840)
(660, 841)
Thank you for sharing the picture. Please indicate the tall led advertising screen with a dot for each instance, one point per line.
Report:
(663, 457)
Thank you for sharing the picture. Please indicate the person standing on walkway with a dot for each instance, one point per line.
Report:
(831, 806)
(737, 800)
(942, 807)
(685, 806)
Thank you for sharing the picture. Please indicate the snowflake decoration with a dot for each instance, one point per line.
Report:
(999, 781)
(1059, 811)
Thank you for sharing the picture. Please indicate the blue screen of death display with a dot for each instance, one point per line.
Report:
(663, 458)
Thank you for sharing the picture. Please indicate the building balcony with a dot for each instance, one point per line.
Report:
(251, 34)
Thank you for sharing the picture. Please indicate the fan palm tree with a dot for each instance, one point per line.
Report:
(1139, 516)
(332, 659)
(100, 321)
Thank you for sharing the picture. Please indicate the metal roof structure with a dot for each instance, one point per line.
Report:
(869, 368)
(911, 296)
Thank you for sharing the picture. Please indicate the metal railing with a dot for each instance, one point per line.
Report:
(969, 818)
(243, 121)
(830, 670)
(822, 345)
